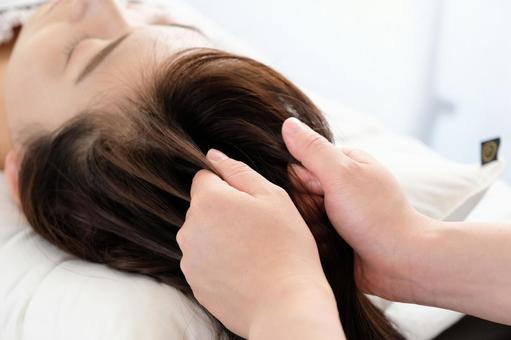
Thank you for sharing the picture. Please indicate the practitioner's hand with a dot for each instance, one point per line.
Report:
(365, 204)
(251, 259)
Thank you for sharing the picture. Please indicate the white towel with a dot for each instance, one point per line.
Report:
(14, 13)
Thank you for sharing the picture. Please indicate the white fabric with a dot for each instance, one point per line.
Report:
(14, 13)
(48, 295)
(422, 323)
(437, 187)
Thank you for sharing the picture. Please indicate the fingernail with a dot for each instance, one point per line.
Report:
(215, 155)
(294, 126)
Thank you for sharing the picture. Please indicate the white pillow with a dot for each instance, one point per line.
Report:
(48, 295)
(437, 187)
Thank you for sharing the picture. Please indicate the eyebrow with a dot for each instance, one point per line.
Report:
(108, 49)
(99, 57)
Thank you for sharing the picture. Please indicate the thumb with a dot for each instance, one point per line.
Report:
(314, 151)
(238, 175)
(304, 179)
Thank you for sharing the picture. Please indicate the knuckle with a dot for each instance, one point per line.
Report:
(344, 163)
(199, 175)
(316, 142)
(238, 168)
(203, 199)
(189, 214)
(197, 293)
(281, 192)
(183, 265)
(351, 168)
(197, 179)
(196, 202)
(209, 199)
(181, 238)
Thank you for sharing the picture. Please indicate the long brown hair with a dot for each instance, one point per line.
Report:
(113, 187)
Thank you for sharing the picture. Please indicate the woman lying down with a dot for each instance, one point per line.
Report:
(110, 111)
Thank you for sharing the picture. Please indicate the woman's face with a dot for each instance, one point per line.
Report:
(73, 53)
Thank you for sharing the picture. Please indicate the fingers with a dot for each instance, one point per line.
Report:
(204, 184)
(314, 151)
(239, 175)
(306, 180)
(358, 155)
(205, 179)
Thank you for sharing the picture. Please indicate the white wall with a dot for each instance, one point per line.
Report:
(370, 54)
(401, 60)
(474, 73)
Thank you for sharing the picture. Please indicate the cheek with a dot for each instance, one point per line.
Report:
(29, 67)
(32, 96)
(37, 94)
(22, 82)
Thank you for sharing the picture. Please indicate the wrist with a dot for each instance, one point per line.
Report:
(297, 311)
(407, 270)
(418, 271)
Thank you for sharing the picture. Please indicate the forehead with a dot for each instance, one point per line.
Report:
(132, 64)
(144, 49)
(128, 70)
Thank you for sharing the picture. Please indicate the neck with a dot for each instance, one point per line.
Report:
(5, 143)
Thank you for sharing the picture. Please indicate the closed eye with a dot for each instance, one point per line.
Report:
(96, 60)
(69, 48)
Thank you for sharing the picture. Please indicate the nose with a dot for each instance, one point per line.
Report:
(101, 18)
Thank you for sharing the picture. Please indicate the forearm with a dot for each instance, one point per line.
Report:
(306, 316)
(464, 267)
